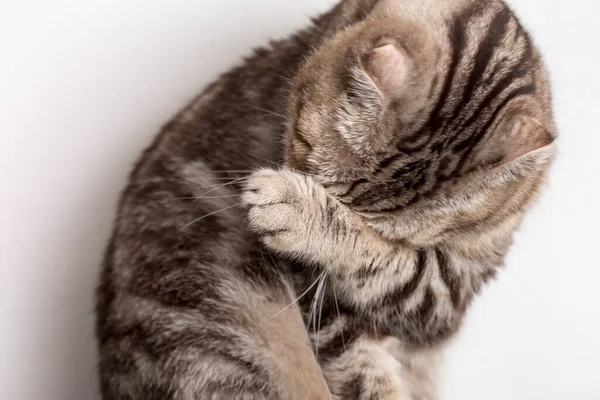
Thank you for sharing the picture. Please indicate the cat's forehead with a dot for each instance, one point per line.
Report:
(433, 16)
(430, 34)
(428, 10)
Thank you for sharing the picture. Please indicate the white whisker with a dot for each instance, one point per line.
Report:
(375, 330)
(207, 197)
(320, 314)
(233, 171)
(337, 307)
(224, 178)
(302, 172)
(298, 298)
(218, 184)
(212, 213)
(219, 187)
(285, 78)
(264, 159)
(157, 180)
(268, 112)
(179, 180)
(313, 307)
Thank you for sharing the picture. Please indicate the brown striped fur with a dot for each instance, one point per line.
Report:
(416, 135)
(424, 133)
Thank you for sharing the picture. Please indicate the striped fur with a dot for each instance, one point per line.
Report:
(417, 134)
(415, 179)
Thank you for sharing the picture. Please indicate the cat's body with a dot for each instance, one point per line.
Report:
(420, 140)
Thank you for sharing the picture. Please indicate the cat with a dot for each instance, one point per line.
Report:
(316, 223)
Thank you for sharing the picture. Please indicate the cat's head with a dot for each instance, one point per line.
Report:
(428, 118)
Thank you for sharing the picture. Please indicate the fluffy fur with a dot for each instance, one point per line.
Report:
(416, 136)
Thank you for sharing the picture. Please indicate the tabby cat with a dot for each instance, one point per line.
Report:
(331, 254)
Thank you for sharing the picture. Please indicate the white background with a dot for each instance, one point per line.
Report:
(84, 85)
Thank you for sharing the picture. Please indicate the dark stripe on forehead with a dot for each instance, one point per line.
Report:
(485, 51)
(470, 145)
(458, 41)
(519, 70)
(466, 145)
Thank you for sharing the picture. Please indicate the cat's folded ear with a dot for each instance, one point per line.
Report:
(520, 142)
(387, 67)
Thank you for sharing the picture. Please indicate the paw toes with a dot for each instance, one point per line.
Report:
(265, 187)
(272, 217)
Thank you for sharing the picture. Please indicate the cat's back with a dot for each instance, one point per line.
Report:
(185, 289)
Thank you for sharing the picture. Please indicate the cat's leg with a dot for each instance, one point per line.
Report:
(365, 365)
(296, 217)
(253, 347)
(409, 293)
(292, 364)
(364, 370)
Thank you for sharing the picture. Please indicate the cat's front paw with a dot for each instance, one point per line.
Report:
(282, 209)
